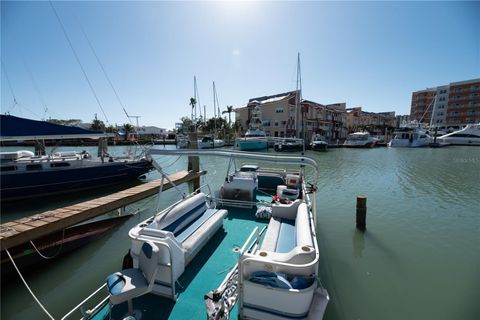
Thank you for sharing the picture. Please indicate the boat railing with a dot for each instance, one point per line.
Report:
(81, 305)
(301, 161)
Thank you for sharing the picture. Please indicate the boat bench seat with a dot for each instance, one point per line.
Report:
(289, 239)
(191, 223)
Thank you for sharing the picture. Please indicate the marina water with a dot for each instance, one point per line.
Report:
(418, 259)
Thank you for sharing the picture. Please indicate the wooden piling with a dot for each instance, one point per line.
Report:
(361, 212)
(193, 161)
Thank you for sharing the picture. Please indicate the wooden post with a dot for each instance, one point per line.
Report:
(193, 161)
(361, 212)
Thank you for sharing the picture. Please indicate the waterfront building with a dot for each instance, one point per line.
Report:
(282, 118)
(377, 123)
(447, 106)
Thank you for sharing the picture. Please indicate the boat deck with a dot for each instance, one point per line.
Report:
(204, 273)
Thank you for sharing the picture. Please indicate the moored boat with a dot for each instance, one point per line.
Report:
(26, 175)
(42, 250)
(318, 143)
(208, 142)
(288, 144)
(411, 136)
(361, 139)
(255, 138)
(263, 260)
(468, 136)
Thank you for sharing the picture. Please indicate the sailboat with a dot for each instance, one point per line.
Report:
(211, 141)
(28, 175)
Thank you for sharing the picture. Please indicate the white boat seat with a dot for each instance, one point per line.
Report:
(131, 283)
(285, 238)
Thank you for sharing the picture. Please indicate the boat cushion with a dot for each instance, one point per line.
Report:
(204, 232)
(270, 240)
(286, 236)
(115, 283)
(184, 233)
(177, 217)
(302, 226)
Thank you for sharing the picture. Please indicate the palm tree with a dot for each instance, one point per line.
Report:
(127, 127)
(193, 102)
(229, 111)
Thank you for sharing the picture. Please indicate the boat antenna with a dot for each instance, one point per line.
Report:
(78, 60)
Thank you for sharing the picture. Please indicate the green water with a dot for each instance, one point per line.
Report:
(418, 259)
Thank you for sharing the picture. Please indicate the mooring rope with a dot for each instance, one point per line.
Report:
(28, 288)
(56, 253)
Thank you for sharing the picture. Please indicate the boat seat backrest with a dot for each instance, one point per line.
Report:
(183, 213)
(148, 260)
(302, 226)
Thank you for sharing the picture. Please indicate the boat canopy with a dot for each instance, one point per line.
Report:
(14, 128)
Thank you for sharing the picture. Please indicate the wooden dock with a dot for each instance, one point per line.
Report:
(29, 228)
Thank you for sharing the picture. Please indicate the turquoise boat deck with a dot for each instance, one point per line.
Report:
(204, 273)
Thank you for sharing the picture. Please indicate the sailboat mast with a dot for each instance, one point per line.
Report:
(214, 109)
(299, 100)
(195, 97)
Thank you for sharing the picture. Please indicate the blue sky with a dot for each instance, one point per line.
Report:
(369, 54)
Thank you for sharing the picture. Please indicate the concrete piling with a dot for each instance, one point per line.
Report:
(361, 212)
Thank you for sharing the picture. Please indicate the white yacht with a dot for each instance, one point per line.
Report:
(255, 138)
(469, 136)
(209, 142)
(412, 136)
(360, 140)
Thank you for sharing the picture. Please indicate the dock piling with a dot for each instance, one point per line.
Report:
(193, 161)
(361, 212)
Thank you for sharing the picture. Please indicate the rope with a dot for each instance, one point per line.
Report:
(10, 87)
(56, 254)
(78, 60)
(101, 66)
(28, 288)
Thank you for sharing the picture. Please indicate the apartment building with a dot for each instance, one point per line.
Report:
(282, 118)
(447, 106)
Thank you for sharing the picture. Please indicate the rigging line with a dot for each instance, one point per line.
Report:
(78, 60)
(101, 66)
(26, 285)
(35, 84)
(9, 84)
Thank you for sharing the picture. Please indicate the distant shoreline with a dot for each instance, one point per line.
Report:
(86, 143)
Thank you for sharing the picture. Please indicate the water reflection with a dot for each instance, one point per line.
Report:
(358, 243)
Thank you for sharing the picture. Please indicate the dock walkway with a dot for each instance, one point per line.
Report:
(29, 228)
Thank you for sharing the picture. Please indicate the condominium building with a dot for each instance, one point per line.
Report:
(453, 105)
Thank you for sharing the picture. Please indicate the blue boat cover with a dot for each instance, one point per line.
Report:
(15, 127)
